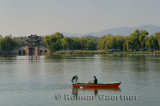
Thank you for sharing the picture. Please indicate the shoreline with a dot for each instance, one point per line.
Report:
(89, 52)
(78, 52)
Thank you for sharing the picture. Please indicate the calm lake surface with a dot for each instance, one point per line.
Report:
(39, 81)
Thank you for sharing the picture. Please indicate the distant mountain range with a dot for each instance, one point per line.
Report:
(124, 31)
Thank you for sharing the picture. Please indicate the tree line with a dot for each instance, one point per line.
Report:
(138, 40)
(7, 43)
(57, 42)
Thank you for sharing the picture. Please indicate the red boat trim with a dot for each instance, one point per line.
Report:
(97, 85)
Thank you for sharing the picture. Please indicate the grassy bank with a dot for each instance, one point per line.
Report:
(81, 52)
(103, 52)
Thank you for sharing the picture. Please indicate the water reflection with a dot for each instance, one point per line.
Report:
(75, 90)
(134, 62)
(7, 59)
(32, 57)
(70, 58)
(50, 57)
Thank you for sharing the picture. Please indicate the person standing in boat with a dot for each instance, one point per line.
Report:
(95, 80)
(74, 80)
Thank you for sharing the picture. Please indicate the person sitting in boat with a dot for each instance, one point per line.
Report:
(95, 80)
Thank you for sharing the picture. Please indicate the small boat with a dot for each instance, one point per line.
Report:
(105, 84)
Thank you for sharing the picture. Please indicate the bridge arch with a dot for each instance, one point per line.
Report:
(24, 52)
(19, 52)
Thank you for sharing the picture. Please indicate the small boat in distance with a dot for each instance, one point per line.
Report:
(105, 84)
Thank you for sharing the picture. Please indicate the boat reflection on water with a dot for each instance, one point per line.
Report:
(95, 89)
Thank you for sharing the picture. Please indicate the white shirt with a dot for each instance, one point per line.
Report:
(74, 81)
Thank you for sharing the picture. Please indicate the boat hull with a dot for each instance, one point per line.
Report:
(114, 84)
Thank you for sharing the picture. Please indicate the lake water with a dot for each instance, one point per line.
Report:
(46, 80)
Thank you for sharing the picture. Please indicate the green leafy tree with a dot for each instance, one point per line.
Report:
(67, 43)
(53, 42)
(111, 42)
(142, 38)
(7, 43)
(152, 43)
(157, 36)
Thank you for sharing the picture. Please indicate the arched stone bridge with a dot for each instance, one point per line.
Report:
(37, 51)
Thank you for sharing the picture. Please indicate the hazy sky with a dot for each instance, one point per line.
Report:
(25, 17)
